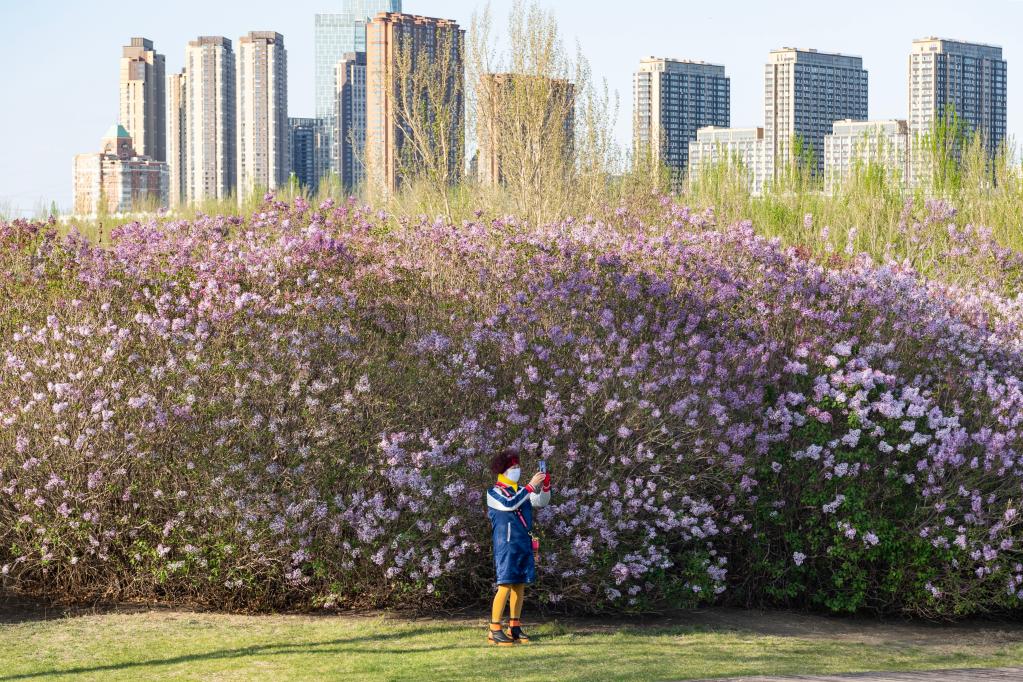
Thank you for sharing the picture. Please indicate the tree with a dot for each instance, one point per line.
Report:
(542, 130)
(424, 112)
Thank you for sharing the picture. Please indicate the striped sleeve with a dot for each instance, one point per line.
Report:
(540, 499)
(495, 500)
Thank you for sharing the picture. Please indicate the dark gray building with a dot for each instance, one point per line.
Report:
(303, 151)
(349, 138)
(673, 99)
(805, 92)
(967, 78)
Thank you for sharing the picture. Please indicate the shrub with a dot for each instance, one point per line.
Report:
(296, 409)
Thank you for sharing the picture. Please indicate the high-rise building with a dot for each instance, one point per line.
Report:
(393, 39)
(550, 100)
(334, 36)
(262, 124)
(805, 92)
(739, 149)
(349, 136)
(210, 116)
(142, 98)
(953, 77)
(176, 137)
(303, 151)
(117, 179)
(884, 144)
(672, 100)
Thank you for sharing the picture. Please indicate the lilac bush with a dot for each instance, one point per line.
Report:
(296, 409)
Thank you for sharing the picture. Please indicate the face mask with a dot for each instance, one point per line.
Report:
(513, 474)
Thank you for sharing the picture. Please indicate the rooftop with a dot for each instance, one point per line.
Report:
(814, 53)
(116, 131)
(650, 64)
(930, 39)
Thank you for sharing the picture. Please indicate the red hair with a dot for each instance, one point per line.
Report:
(503, 461)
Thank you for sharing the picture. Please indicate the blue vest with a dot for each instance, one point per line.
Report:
(513, 546)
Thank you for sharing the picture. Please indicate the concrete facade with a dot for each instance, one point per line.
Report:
(744, 149)
(142, 95)
(263, 134)
(387, 35)
(176, 137)
(210, 120)
(500, 91)
(861, 143)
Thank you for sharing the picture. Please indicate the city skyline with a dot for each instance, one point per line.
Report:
(884, 49)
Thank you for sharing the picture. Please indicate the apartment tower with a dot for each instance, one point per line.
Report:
(969, 78)
(672, 100)
(805, 92)
(302, 148)
(142, 108)
(176, 137)
(349, 137)
(505, 141)
(388, 37)
(262, 126)
(210, 116)
(949, 77)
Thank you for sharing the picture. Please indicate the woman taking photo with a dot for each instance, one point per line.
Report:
(510, 507)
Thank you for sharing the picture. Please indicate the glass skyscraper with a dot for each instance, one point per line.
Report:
(334, 36)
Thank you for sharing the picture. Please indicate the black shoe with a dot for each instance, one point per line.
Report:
(518, 636)
(499, 638)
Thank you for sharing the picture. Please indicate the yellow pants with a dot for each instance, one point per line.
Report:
(514, 593)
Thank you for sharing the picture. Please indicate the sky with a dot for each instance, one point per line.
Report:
(60, 58)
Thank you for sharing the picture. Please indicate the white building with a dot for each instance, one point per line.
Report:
(262, 124)
(741, 149)
(864, 143)
(142, 107)
(210, 118)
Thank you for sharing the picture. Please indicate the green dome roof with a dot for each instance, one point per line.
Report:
(116, 131)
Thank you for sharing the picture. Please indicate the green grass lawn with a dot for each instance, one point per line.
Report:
(175, 645)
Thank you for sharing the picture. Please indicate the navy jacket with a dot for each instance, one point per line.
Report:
(513, 546)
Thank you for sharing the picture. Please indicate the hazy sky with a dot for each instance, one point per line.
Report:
(59, 58)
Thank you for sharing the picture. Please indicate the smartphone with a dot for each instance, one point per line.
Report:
(543, 466)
